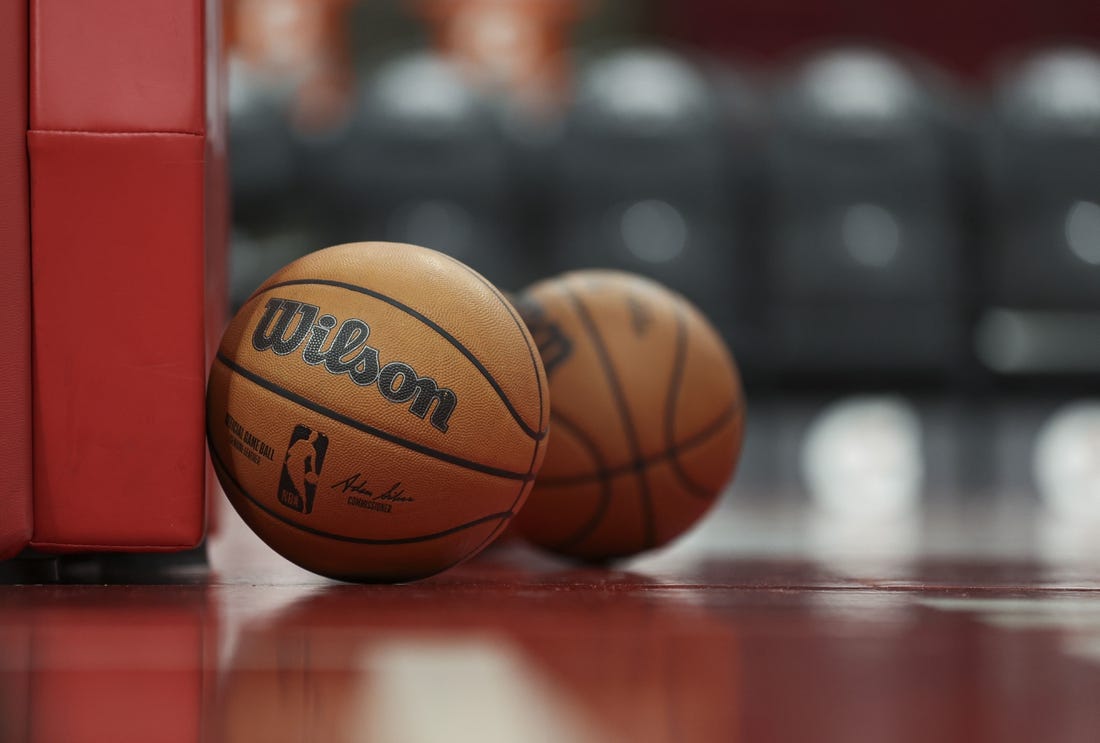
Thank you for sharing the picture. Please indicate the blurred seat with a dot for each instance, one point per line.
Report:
(423, 161)
(642, 180)
(864, 261)
(261, 154)
(273, 213)
(1042, 256)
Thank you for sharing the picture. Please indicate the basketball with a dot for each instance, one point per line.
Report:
(377, 412)
(647, 420)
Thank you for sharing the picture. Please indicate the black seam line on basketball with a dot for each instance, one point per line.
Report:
(530, 432)
(343, 537)
(535, 365)
(649, 538)
(679, 359)
(369, 430)
(529, 483)
(515, 318)
(219, 463)
(587, 528)
(512, 509)
(492, 535)
(690, 485)
(687, 444)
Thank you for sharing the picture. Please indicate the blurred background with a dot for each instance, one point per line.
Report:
(891, 211)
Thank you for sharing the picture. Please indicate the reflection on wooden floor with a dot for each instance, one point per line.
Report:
(758, 627)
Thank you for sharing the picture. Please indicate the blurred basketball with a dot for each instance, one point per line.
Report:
(376, 412)
(647, 418)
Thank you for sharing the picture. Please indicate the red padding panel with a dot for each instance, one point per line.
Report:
(118, 65)
(119, 351)
(15, 284)
(120, 182)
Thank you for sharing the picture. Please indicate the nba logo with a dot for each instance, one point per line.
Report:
(305, 456)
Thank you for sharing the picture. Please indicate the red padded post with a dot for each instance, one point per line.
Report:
(217, 211)
(120, 177)
(15, 284)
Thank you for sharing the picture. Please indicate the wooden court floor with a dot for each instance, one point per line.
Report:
(763, 625)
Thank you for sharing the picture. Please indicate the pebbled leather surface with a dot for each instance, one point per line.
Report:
(391, 494)
(648, 415)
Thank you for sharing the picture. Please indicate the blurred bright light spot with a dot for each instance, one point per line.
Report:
(875, 544)
(436, 224)
(465, 689)
(864, 456)
(1083, 231)
(1062, 537)
(424, 90)
(859, 85)
(871, 235)
(1062, 85)
(650, 90)
(1066, 460)
(654, 231)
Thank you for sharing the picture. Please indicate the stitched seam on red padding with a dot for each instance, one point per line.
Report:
(114, 547)
(142, 133)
